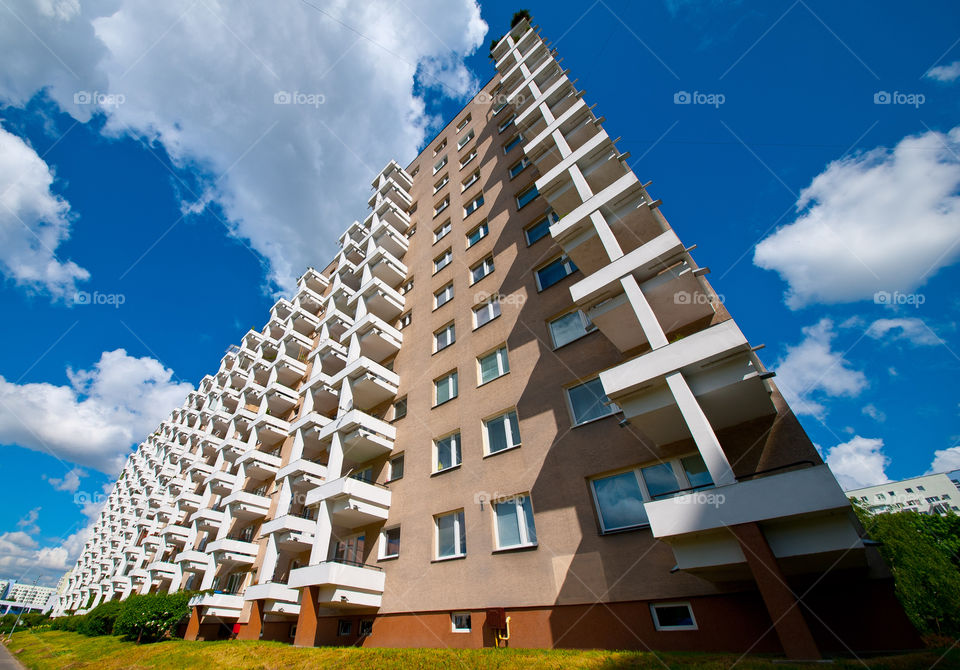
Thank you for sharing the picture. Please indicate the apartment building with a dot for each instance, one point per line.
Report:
(929, 494)
(510, 412)
(27, 595)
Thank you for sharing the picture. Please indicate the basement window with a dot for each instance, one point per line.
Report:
(460, 622)
(673, 616)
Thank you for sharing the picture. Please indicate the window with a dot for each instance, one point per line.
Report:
(396, 468)
(439, 165)
(444, 337)
(451, 535)
(589, 402)
(620, 497)
(673, 616)
(481, 269)
(406, 288)
(440, 184)
(477, 234)
(526, 196)
(442, 261)
(437, 149)
(445, 388)
(390, 543)
(514, 518)
(443, 296)
(486, 312)
(512, 142)
(506, 123)
(555, 271)
(540, 228)
(519, 167)
(442, 205)
(413, 229)
(499, 107)
(464, 122)
(442, 231)
(404, 320)
(493, 365)
(344, 627)
(473, 205)
(293, 626)
(460, 622)
(920, 488)
(466, 138)
(411, 210)
(415, 172)
(469, 181)
(366, 627)
(501, 432)
(446, 452)
(469, 157)
(569, 327)
(909, 490)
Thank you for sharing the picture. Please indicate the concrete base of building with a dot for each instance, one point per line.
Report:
(201, 627)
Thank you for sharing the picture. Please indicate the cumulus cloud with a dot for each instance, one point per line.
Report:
(33, 222)
(28, 524)
(874, 413)
(911, 329)
(70, 482)
(945, 73)
(201, 80)
(945, 460)
(99, 415)
(812, 370)
(884, 220)
(858, 463)
(24, 558)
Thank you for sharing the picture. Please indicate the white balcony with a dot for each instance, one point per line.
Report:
(342, 586)
(221, 482)
(388, 211)
(378, 339)
(247, 505)
(370, 382)
(386, 267)
(225, 605)
(387, 236)
(278, 597)
(207, 519)
(352, 502)
(232, 551)
(804, 514)
(271, 429)
(161, 570)
(365, 437)
(599, 162)
(258, 464)
(379, 299)
(174, 534)
(293, 533)
(718, 365)
(303, 471)
(281, 398)
(193, 561)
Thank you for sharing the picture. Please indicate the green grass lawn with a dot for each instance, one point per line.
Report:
(56, 650)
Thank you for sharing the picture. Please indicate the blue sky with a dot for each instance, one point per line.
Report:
(191, 198)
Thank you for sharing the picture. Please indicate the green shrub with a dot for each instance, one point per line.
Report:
(99, 620)
(152, 617)
(69, 623)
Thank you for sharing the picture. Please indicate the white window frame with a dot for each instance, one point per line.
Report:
(460, 629)
(465, 139)
(517, 502)
(484, 227)
(463, 123)
(444, 180)
(405, 320)
(439, 164)
(459, 522)
(512, 142)
(382, 554)
(486, 272)
(656, 618)
(470, 181)
(440, 147)
(588, 327)
(564, 260)
(469, 157)
(446, 257)
(442, 206)
(442, 230)
(524, 163)
(508, 432)
(550, 217)
(488, 305)
(446, 334)
(503, 364)
(507, 123)
(476, 204)
(455, 447)
(445, 379)
(445, 291)
(612, 408)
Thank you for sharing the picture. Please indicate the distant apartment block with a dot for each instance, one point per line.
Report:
(29, 596)
(511, 411)
(930, 494)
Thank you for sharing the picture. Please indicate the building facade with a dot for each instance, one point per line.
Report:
(511, 411)
(28, 596)
(930, 494)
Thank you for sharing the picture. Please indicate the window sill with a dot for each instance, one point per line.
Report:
(517, 548)
(486, 323)
(442, 350)
(628, 529)
(444, 559)
(502, 451)
(440, 404)
(594, 420)
(463, 165)
(445, 470)
(526, 204)
(576, 339)
(439, 306)
(490, 381)
(388, 558)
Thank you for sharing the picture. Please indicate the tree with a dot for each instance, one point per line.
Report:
(149, 618)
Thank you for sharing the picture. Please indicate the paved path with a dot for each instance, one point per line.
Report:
(7, 661)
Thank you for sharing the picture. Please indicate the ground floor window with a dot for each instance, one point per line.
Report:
(673, 616)
(460, 622)
(344, 627)
(366, 627)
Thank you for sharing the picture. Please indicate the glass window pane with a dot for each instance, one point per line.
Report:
(696, 471)
(514, 429)
(489, 368)
(446, 535)
(527, 196)
(588, 401)
(620, 501)
(674, 615)
(567, 328)
(497, 435)
(508, 530)
(538, 230)
(528, 518)
(660, 479)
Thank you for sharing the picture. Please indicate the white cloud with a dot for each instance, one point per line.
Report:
(33, 222)
(70, 482)
(858, 463)
(911, 329)
(879, 221)
(199, 80)
(945, 73)
(945, 460)
(813, 370)
(874, 413)
(98, 416)
(28, 524)
(23, 558)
